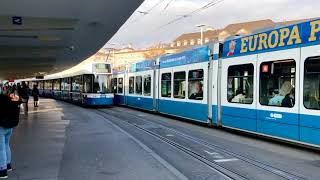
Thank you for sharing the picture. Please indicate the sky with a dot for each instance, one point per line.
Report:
(146, 29)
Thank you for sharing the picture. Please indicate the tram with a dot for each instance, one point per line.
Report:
(89, 85)
(266, 83)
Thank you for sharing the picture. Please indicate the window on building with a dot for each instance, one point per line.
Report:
(240, 84)
(178, 44)
(131, 85)
(195, 84)
(166, 85)
(206, 40)
(138, 84)
(311, 98)
(147, 85)
(185, 43)
(120, 85)
(172, 45)
(179, 84)
(277, 83)
(114, 85)
(192, 42)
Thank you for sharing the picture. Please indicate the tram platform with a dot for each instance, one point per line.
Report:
(63, 141)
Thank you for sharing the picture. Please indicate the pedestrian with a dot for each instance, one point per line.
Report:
(24, 94)
(9, 110)
(35, 94)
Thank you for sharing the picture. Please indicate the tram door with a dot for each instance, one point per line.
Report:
(278, 93)
(238, 96)
(309, 95)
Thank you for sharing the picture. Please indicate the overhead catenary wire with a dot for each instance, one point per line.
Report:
(207, 6)
(168, 4)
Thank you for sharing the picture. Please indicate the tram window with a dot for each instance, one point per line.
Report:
(56, 84)
(166, 85)
(195, 84)
(77, 84)
(277, 83)
(179, 85)
(120, 85)
(87, 83)
(131, 85)
(138, 84)
(311, 98)
(240, 84)
(114, 85)
(147, 85)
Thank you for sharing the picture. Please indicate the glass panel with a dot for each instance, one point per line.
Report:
(102, 84)
(102, 68)
(120, 85)
(87, 83)
(195, 83)
(56, 84)
(277, 83)
(311, 98)
(77, 84)
(240, 84)
(114, 85)
(138, 85)
(67, 84)
(131, 85)
(166, 85)
(179, 84)
(147, 85)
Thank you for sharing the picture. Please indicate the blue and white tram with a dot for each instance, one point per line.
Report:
(266, 83)
(90, 85)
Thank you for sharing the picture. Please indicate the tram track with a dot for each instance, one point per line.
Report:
(229, 174)
(284, 174)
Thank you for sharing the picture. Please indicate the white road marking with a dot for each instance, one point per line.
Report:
(211, 153)
(169, 135)
(43, 110)
(226, 160)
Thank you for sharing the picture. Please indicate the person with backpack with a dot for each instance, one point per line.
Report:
(9, 110)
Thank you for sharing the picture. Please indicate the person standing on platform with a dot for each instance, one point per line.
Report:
(9, 110)
(35, 94)
(24, 94)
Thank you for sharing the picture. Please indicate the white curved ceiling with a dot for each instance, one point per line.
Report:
(46, 36)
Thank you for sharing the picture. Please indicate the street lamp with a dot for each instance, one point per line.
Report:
(201, 26)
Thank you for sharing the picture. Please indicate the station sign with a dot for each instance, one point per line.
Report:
(17, 20)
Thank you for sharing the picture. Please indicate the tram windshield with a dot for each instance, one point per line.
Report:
(97, 83)
(102, 84)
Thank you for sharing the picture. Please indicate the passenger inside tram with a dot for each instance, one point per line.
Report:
(285, 97)
(197, 91)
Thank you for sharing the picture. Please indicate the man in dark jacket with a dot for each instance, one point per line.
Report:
(9, 111)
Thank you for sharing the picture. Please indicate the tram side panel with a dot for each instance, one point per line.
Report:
(238, 98)
(278, 93)
(309, 93)
(119, 97)
(178, 91)
(140, 91)
(214, 87)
